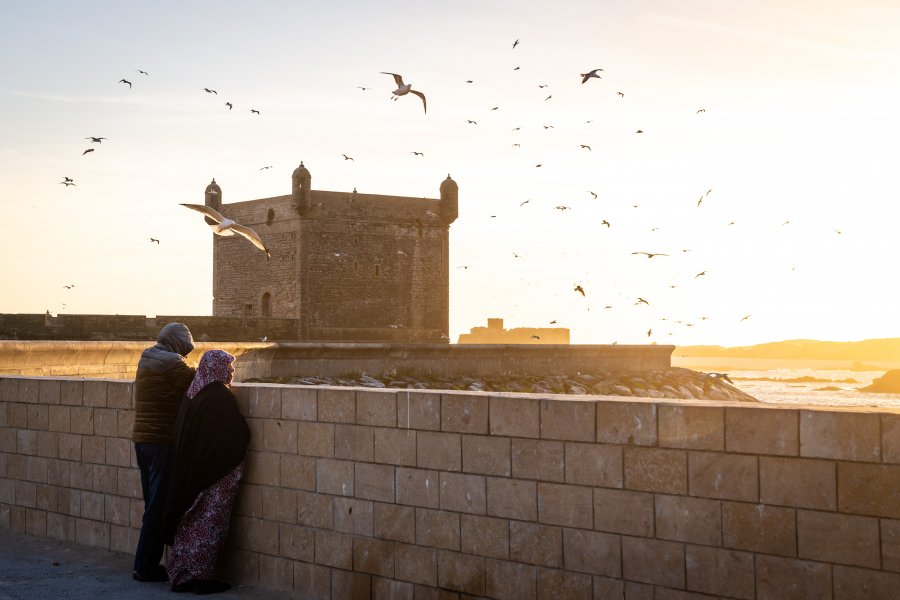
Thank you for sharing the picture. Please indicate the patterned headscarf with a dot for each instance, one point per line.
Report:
(215, 365)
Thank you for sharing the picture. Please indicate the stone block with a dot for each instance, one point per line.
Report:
(553, 584)
(840, 435)
(16, 518)
(36, 469)
(798, 482)
(117, 510)
(71, 392)
(312, 582)
(120, 394)
(336, 406)
(59, 418)
(280, 436)
(129, 483)
(890, 438)
(390, 589)
(62, 528)
(353, 586)
(36, 522)
(780, 578)
(720, 572)
(92, 505)
(377, 408)
(296, 542)
(16, 466)
(759, 528)
(463, 493)
(761, 430)
(26, 494)
(92, 533)
(862, 584)
(510, 580)
(606, 588)
(38, 417)
(656, 470)
(264, 401)
(623, 511)
(242, 565)
(94, 393)
(837, 538)
(353, 516)
(571, 420)
(515, 416)
(334, 477)
(437, 529)
(315, 439)
(81, 476)
(118, 451)
(69, 502)
(538, 459)
(8, 439)
(419, 410)
(256, 535)
(890, 545)
(17, 415)
(26, 442)
(484, 536)
(49, 391)
(395, 446)
(396, 523)
(279, 504)
(249, 502)
(441, 451)
(372, 556)
(29, 390)
(566, 505)
(126, 424)
(592, 552)
(46, 497)
(725, 476)
(418, 487)
(374, 482)
(594, 464)
(9, 389)
(354, 442)
(82, 420)
(298, 404)
(48, 444)
(486, 455)
(263, 468)
(691, 427)
(627, 423)
(298, 472)
(276, 572)
(511, 498)
(653, 561)
(535, 544)
(866, 489)
(416, 564)
(464, 413)
(315, 510)
(461, 573)
(685, 519)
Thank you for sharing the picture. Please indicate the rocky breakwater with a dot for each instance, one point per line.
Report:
(889, 383)
(674, 383)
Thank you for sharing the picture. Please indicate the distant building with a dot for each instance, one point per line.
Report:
(494, 333)
(347, 266)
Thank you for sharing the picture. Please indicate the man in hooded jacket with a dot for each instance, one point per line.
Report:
(162, 378)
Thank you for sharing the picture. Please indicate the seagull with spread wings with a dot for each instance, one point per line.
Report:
(405, 88)
(651, 254)
(589, 74)
(225, 226)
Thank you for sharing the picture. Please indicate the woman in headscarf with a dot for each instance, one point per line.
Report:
(211, 439)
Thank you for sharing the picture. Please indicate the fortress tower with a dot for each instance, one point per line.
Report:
(347, 266)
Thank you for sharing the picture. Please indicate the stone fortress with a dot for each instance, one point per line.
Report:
(346, 266)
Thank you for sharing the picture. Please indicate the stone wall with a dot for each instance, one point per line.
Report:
(353, 493)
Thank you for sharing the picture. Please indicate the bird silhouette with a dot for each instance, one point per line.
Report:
(516, 128)
(471, 122)
(143, 72)
(264, 168)
(524, 203)
(67, 183)
(620, 94)
(699, 274)
(720, 376)
(649, 332)
(562, 208)
(585, 146)
(517, 145)
(553, 322)
(515, 43)
(535, 337)
(641, 301)
(639, 131)
(253, 110)
(701, 110)
(209, 91)
(651, 254)
(589, 74)
(549, 127)
(464, 267)
(363, 88)
(496, 108)
(579, 289)
(125, 81)
(548, 97)
(348, 157)
(592, 194)
(745, 317)
(66, 179)
(605, 222)
(537, 166)
(69, 287)
(517, 68)
(225, 227)
(154, 240)
(543, 85)
(98, 140)
(417, 153)
(229, 105)
(86, 151)
(405, 88)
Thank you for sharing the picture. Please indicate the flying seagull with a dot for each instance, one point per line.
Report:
(144, 72)
(253, 110)
(69, 287)
(405, 88)
(209, 91)
(524, 203)
(471, 121)
(701, 110)
(620, 94)
(543, 85)
(65, 179)
(229, 105)
(515, 43)
(417, 153)
(67, 183)
(585, 146)
(720, 376)
(699, 274)
(154, 240)
(589, 74)
(363, 88)
(125, 81)
(592, 194)
(651, 254)
(264, 168)
(579, 289)
(225, 226)
(347, 157)
(641, 301)
(562, 208)
(548, 97)
(98, 140)
(605, 222)
(86, 151)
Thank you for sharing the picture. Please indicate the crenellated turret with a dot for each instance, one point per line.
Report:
(449, 209)
(301, 189)
(213, 195)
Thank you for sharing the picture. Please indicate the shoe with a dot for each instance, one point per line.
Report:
(158, 574)
(187, 586)
(211, 586)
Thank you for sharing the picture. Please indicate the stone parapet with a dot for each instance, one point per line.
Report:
(353, 492)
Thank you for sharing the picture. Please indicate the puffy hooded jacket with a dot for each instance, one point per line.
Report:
(162, 378)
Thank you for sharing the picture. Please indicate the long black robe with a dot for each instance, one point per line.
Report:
(211, 439)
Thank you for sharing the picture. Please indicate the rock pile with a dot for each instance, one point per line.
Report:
(889, 383)
(675, 383)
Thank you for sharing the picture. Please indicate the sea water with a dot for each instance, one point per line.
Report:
(812, 386)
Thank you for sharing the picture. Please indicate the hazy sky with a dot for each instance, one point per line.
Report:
(799, 144)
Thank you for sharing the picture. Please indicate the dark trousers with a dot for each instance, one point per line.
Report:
(155, 462)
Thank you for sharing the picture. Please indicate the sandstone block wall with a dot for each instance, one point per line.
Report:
(353, 493)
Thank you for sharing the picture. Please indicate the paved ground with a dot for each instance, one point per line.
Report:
(33, 568)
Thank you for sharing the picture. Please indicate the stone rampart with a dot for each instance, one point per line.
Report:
(359, 493)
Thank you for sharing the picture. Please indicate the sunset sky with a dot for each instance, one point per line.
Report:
(795, 153)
